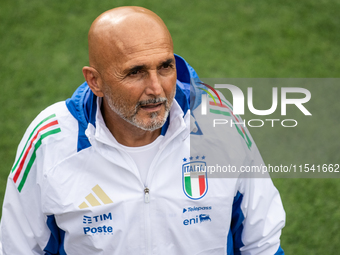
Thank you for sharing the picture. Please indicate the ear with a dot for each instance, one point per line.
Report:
(93, 79)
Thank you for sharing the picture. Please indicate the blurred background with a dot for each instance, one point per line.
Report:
(43, 46)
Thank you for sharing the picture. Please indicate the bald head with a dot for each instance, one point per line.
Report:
(133, 69)
(123, 30)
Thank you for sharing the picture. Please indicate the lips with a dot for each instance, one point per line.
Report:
(148, 106)
(151, 107)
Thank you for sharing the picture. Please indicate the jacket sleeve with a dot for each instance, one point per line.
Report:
(257, 218)
(24, 226)
(257, 215)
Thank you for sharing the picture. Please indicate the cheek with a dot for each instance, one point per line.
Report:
(170, 86)
(133, 96)
(124, 94)
(127, 99)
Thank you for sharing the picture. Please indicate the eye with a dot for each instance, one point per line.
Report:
(167, 65)
(135, 72)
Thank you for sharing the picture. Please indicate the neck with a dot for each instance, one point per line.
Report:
(126, 133)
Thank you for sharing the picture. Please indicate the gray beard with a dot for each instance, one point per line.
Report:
(132, 119)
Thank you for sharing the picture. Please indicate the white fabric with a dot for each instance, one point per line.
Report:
(97, 197)
(143, 156)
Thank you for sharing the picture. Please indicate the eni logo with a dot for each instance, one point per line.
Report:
(199, 218)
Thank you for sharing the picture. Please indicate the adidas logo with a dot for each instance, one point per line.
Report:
(96, 198)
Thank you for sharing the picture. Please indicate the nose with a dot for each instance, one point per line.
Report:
(154, 84)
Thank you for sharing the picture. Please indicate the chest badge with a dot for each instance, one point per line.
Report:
(194, 177)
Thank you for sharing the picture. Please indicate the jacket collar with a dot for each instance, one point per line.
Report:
(178, 123)
(83, 103)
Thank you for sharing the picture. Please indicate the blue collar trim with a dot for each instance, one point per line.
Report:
(83, 103)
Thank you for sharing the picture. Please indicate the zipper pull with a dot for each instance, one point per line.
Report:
(146, 195)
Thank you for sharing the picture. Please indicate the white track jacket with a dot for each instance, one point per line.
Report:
(73, 190)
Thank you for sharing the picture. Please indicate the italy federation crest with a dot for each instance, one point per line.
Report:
(195, 182)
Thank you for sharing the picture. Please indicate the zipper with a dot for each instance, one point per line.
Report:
(147, 220)
(146, 195)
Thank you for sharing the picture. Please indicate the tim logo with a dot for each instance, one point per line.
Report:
(87, 220)
(97, 218)
(97, 225)
(238, 99)
(198, 219)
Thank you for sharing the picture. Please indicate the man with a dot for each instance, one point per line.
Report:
(110, 171)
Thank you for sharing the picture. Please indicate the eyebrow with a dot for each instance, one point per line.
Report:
(136, 68)
(167, 62)
(141, 67)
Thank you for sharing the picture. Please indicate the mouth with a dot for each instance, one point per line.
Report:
(151, 107)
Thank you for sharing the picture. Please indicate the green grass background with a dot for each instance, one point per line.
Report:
(43, 46)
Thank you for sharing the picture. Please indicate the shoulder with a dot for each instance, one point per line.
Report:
(53, 124)
(216, 119)
(223, 133)
(49, 139)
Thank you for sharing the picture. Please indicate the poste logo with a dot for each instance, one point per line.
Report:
(98, 224)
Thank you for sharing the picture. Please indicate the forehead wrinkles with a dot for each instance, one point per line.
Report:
(115, 40)
(144, 52)
(133, 38)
